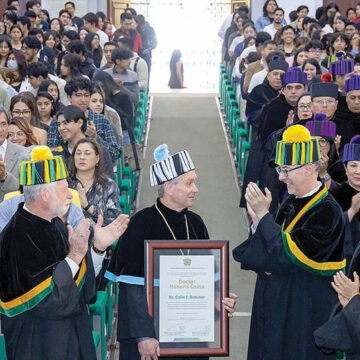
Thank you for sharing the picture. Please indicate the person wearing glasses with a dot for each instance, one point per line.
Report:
(314, 50)
(347, 119)
(295, 254)
(23, 106)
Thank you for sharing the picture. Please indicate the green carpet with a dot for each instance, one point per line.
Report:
(193, 124)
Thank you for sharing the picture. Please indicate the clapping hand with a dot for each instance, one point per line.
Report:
(107, 235)
(345, 288)
(257, 201)
(337, 143)
(2, 169)
(79, 240)
(82, 195)
(290, 118)
(91, 131)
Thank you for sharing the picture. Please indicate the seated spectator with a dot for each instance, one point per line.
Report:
(6, 47)
(79, 91)
(287, 36)
(117, 99)
(91, 21)
(137, 64)
(45, 106)
(87, 64)
(97, 104)
(17, 64)
(9, 158)
(126, 30)
(301, 12)
(51, 87)
(277, 24)
(350, 29)
(92, 44)
(72, 124)
(65, 18)
(50, 40)
(125, 78)
(299, 57)
(268, 15)
(108, 30)
(70, 67)
(83, 32)
(70, 7)
(20, 133)
(16, 36)
(314, 50)
(67, 38)
(23, 106)
(25, 24)
(10, 19)
(108, 49)
(56, 25)
(99, 194)
(354, 42)
(312, 68)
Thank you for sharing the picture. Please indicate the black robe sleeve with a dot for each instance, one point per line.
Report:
(342, 331)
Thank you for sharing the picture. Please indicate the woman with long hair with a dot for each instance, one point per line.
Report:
(99, 194)
(118, 101)
(300, 57)
(16, 34)
(17, 64)
(70, 67)
(176, 71)
(23, 106)
(92, 44)
(45, 106)
(83, 32)
(51, 87)
(312, 68)
(20, 133)
(97, 104)
(56, 25)
(5, 48)
(330, 8)
(50, 38)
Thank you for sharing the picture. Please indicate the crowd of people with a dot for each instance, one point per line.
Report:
(297, 84)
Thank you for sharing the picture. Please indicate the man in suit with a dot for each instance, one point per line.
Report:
(9, 158)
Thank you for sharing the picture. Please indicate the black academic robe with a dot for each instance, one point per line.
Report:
(343, 195)
(347, 126)
(51, 322)
(128, 259)
(293, 295)
(272, 118)
(342, 331)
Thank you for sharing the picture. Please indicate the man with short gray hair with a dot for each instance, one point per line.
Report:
(47, 271)
(294, 255)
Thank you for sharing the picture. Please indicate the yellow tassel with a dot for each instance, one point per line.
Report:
(296, 133)
(41, 153)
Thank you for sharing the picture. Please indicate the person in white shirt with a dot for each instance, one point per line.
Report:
(277, 24)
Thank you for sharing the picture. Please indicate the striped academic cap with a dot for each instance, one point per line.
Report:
(169, 167)
(297, 147)
(43, 168)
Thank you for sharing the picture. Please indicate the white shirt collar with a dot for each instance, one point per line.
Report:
(3, 148)
(312, 192)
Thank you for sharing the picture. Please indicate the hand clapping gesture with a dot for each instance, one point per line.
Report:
(345, 288)
(257, 201)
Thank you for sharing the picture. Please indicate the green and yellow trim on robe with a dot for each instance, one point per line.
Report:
(297, 256)
(31, 298)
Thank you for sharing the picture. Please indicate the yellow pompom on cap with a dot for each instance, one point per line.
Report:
(296, 134)
(41, 153)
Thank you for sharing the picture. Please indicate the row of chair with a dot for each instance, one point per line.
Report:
(239, 130)
(126, 178)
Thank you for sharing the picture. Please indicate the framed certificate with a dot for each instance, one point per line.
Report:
(185, 283)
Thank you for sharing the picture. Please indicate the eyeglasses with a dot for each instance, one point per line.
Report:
(285, 172)
(315, 51)
(323, 142)
(324, 102)
(304, 106)
(79, 95)
(19, 112)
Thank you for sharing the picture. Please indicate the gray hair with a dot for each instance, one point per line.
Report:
(3, 110)
(161, 188)
(317, 165)
(31, 192)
